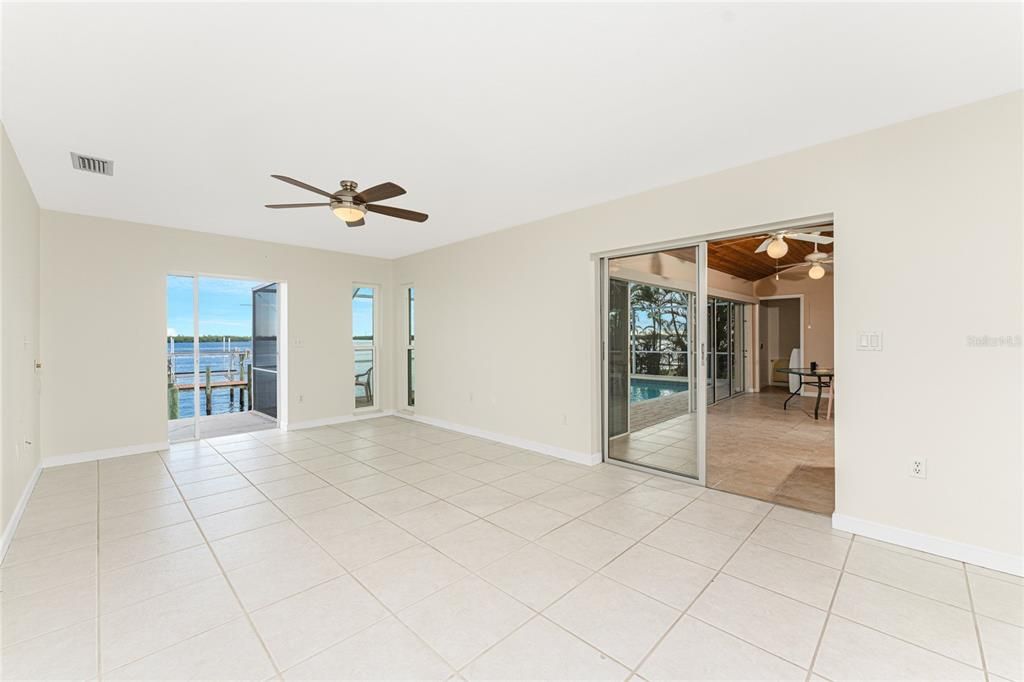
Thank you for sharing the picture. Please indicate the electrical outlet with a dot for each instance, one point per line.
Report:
(919, 468)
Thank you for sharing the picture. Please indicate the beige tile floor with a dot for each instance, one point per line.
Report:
(385, 549)
(754, 447)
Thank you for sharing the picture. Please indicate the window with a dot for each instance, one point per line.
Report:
(364, 344)
(410, 347)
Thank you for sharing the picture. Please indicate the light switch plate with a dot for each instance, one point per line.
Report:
(869, 341)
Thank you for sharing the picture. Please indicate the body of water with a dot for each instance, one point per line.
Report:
(212, 354)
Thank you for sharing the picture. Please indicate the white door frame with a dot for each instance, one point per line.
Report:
(803, 348)
(374, 347)
(282, 339)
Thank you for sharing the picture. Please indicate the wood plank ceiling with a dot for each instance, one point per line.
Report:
(736, 256)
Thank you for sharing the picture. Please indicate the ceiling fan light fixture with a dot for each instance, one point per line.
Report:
(348, 212)
(817, 271)
(778, 248)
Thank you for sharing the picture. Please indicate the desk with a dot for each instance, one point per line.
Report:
(822, 378)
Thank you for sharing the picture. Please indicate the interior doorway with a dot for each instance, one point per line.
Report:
(223, 356)
(713, 355)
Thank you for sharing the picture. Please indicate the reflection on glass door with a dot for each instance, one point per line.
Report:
(725, 363)
(264, 350)
(653, 361)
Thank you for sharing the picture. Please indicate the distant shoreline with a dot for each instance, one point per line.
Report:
(207, 338)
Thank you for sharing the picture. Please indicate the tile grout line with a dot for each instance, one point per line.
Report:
(635, 670)
(593, 572)
(540, 613)
(828, 611)
(974, 621)
(231, 587)
(346, 572)
(471, 573)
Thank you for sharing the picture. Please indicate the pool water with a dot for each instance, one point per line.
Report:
(647, 389)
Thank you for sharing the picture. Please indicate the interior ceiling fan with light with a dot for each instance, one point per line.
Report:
(350, 205)
(776, 246)
(819, 263)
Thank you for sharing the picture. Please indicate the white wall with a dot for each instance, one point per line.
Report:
(104, 321)
(507, 322)
(19, 338)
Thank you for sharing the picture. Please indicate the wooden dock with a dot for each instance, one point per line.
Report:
(215, 384)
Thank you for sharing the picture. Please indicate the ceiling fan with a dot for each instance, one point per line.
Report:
(818, 261)
(350, 206)
(776, 246)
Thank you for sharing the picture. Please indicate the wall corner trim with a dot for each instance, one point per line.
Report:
(12, 525)
(958, 551)
(328, 421)
(108, 453)
(587, 458)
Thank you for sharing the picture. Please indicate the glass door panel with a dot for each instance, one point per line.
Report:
(737, 355)
(265, 351)
(182, 351)
(653, 405)
(364, 344)
(618, 358)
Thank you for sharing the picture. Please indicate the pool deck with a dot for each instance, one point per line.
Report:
(656, 410)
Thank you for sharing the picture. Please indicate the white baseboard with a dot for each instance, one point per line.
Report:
(12, 524)
(109, 453)
(587, 458)
(328, 421)
(959, 551)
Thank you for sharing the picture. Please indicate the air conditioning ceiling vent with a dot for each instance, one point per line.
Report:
(91, 164)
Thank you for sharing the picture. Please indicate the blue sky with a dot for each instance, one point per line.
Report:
(225, 306)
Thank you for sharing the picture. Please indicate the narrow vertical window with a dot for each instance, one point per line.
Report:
(410, 348)
(364, 343)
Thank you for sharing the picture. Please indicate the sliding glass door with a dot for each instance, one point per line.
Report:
(182, 358)
(725, 362)
(653, 360)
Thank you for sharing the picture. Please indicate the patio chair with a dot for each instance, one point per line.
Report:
(366, 381)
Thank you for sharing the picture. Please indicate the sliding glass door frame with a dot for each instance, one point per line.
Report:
(282, 321)
(735, 347)
(696, 361)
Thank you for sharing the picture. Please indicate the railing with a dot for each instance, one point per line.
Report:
(659, 363)
(235, 371)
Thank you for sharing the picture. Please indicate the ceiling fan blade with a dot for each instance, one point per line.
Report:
(816, 238)
(296, 205)
(356, 223)
(792, 267)
(299, 183)
(764, 245)
(403, 213)
(381, 192)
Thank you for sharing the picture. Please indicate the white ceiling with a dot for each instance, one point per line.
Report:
(489, 115)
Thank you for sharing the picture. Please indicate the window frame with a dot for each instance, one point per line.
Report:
(373, 345)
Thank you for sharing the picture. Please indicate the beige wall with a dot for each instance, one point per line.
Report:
(819, 336)
(104, 319)
(19, 338)
(507, 322)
